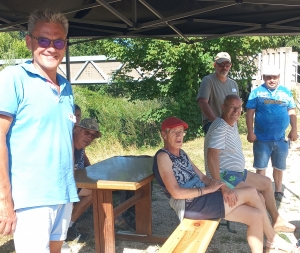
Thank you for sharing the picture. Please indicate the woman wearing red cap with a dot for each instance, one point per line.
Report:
(196, 196)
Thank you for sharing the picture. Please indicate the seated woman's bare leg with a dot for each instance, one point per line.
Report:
(250, 197)
(250, 216)
(264, 185)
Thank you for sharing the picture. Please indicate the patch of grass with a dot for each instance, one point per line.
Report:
(103, 149)
(247, 146)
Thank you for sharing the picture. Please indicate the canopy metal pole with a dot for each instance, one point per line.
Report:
(68, 72)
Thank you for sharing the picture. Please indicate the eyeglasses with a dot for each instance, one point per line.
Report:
(176, 133)
(86, 132)
(222, 65)
(45, 42)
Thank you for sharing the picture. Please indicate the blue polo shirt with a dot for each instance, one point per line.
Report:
(271, 111)
(39, 140)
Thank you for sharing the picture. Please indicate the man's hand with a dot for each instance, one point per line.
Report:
(229, 195)
(293, 135)
(8, 218)
(251, 137)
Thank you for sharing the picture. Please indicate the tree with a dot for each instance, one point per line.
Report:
(90, 48)
(173, 71)
(13, 46)
(291, 41)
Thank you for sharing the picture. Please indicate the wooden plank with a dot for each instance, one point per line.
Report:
(96, 208)
(103, 221)
(191, 236)
(143, 212)
(127, 204)
(129, 236)
(113, 185)
(121, 185)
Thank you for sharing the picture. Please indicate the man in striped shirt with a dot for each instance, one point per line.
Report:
(224, 160)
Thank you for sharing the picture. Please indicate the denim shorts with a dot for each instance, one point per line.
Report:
(37, 226)
(233, 178)
(276, 150)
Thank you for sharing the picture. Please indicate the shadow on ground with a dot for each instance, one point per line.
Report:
(7, 247)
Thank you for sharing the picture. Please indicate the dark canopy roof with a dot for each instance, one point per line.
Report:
(162, 18)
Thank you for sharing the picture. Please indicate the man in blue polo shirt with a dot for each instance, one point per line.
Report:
(274, 109)
(37, 184)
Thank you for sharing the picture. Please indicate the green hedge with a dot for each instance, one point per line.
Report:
(120, 120)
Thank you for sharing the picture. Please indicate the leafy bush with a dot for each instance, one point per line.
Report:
(242, 124)
(120, 120)
(295, 97)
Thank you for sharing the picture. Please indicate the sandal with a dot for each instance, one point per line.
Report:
(284, 229)
(277, 250)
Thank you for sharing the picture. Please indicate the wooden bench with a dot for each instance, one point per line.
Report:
(191, 236)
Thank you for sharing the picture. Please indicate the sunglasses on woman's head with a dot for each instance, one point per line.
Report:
(45, 42)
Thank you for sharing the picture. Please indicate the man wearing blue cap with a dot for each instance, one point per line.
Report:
(274, 109)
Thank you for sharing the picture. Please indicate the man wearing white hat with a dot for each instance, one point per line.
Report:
(274, 109)
(214, 88)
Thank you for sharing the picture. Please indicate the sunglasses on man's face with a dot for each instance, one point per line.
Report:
(86, 132)
(45, 42)
(224, 64)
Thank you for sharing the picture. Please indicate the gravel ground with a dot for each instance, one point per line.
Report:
(165, 219)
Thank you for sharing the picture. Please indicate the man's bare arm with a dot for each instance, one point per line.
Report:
(7, 215)
(293, 135)
(251, 137)
(206, 109)
(213, 162)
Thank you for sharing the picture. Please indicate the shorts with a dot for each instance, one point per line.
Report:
(207, 207)
(276, 150)
(37, 226)
(233, 178)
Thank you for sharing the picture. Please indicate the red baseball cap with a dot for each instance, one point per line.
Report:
(173, 122)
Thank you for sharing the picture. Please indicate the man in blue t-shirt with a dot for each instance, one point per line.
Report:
(274, 109)
(37, 185)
